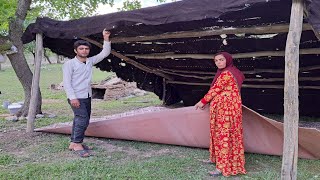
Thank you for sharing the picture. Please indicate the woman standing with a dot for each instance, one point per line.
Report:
(226, 134)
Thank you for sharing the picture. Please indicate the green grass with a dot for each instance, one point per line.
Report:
(10, 87)
(50, 74)
(47, 121)
(45, 155)
(88, 169)
(179, 163)
(6, 159)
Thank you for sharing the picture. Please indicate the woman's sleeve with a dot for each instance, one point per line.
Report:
(219, 85)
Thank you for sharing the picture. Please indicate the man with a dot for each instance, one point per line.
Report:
(77, 74)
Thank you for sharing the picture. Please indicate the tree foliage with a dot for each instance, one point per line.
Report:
(68, 9)
(57, 9)
(7, 11)
(129, 5)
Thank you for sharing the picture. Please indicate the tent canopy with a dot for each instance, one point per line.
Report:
(168, 49)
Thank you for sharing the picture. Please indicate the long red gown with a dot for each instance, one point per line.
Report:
(226, 142)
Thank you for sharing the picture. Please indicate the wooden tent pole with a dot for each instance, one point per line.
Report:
(255, 71)
(128, 60)
(209, 56)
(243, 85)
(35, 84)
(317, 34)
(268, 29)
(164, 90)
(138, 65)
(306, 15)
(291, 92)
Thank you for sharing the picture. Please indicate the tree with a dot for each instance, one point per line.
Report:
(13, 19)
(18, 60)
(130, 5)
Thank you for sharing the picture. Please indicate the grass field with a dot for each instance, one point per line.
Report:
(45, 156)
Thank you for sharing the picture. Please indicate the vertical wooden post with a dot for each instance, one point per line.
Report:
(35, 83)
(291, 92)
(2, 60)
(164, 84)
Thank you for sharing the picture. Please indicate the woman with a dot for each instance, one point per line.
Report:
(226, 134)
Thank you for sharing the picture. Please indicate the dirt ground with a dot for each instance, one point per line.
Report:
(36, 139)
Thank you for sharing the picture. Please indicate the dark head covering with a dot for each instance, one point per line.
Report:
(229, 67)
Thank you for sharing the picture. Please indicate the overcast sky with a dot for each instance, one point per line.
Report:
(105, 9)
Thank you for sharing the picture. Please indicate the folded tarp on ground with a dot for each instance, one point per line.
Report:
(189, 127)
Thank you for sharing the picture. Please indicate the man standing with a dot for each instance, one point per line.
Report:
(77, 74)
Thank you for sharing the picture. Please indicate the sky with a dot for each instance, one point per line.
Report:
(105, 9)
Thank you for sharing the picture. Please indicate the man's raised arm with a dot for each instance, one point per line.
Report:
(106, 48)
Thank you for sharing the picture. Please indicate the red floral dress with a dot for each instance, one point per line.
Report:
(226, 133)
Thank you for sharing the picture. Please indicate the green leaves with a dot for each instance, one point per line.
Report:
(7, 10)
(68, 9)
(131, 5)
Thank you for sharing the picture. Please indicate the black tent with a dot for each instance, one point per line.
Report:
(168, 49)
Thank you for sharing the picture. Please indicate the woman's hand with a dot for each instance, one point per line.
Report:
(200, 105)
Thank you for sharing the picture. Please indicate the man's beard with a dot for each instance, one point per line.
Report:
(82, 56)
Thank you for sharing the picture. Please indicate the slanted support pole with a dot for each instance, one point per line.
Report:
(164, 90)
(128, 60)
(35, 84)
(291, 92)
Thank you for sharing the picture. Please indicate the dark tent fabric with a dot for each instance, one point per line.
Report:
(187, 78)
(313, 7)
(181, 11)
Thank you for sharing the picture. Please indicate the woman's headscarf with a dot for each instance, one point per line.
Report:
(230, 67)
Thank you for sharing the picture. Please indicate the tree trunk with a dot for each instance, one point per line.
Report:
(59, 59)
(18, 60)
(46, 56)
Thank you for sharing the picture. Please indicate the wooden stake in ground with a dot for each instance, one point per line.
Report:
(35, 83)
(164, 90)
(291, 92)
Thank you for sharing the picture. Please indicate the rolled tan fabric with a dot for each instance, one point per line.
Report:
(189, 127)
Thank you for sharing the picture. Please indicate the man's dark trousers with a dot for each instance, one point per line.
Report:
(80, 120)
